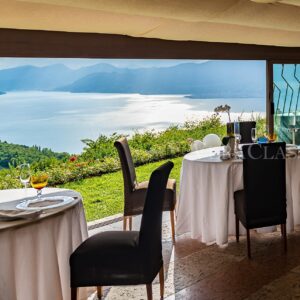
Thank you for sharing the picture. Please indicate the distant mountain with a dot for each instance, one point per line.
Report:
(34, 78)
(26, 78)
(2, 93)
(211, 79)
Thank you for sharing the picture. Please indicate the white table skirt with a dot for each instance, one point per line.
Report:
(206, 205)
(34, 257)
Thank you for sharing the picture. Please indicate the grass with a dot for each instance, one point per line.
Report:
(103, 195)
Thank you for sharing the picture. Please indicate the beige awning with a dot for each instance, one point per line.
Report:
(236, 21)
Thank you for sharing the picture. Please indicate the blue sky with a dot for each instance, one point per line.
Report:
(75, 63)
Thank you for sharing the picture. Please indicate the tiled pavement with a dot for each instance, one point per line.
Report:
(196, 271)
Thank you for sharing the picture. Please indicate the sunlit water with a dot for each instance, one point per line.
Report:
(59, 120)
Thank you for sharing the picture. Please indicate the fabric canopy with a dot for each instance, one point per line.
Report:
(263, 22)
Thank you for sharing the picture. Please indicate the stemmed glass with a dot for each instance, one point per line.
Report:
(237, 134)
(253, 135)
(270, 135)
(39, 181)
(25, 175)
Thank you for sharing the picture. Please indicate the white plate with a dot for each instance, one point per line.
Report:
(25, 205)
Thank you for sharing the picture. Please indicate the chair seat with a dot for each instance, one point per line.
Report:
(170, 194)
(258, 222)
(107, 258)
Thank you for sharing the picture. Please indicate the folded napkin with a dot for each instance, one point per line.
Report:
(44, 203)
(16, 214)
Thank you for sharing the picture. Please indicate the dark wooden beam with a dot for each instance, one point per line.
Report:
(269, 96)
(37, 43)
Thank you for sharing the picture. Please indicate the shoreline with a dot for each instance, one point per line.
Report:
(63, 119)
(245, 116)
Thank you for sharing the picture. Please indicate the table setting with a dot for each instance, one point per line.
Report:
(31, 207)
(20, 206)
(209, 178)
(39, 229)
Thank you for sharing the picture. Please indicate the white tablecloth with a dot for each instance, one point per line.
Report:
(206, 205)
(34, 255)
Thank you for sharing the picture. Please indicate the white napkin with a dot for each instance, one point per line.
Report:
(16, 214)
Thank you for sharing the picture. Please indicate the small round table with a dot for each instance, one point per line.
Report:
(206, 205)
(34, 254)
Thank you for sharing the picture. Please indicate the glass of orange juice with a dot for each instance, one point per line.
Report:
(270, 134)
(39, 181)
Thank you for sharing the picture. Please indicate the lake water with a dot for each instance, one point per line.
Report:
(59, 120)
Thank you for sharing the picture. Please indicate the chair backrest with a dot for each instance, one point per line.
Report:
(265, 183)
(127, 165)
(150, 231)
(245, 130)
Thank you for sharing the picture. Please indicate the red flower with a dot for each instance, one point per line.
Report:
(73, 158)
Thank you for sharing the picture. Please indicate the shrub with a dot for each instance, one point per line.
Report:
(100, 156)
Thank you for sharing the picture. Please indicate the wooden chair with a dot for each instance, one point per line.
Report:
(125, 257)
(262, 202)
(135, 192)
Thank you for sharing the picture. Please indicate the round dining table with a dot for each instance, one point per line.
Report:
(34, 253)
(206, 203)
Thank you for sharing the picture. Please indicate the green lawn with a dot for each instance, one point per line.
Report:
(103, 195)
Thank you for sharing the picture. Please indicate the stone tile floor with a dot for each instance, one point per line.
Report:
(196, 271)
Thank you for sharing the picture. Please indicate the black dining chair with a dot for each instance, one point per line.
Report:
(125, 257)
(262, 202)
(245, 130)
(135, 192)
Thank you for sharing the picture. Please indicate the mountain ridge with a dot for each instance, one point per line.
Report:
(209, 79)
(28, 77)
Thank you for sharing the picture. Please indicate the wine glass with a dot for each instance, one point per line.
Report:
(270, 135)
(25, 175)
(254, 135)
(39, 181)
(237, 134)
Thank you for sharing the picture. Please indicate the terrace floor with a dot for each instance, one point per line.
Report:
(196, 271)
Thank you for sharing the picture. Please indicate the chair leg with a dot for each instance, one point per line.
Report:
(73, 293)
(248, 244)
(130, 223)
(99, 292)
(161, 282)
(124, 223)
(172, 217)
(237, 229)
(149, 291)
(283, 233)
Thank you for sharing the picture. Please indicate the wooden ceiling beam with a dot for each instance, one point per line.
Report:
(38, 43)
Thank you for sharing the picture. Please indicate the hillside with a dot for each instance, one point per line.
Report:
(17, 154)
(28, 78)
(207, 80)
(212, 79)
